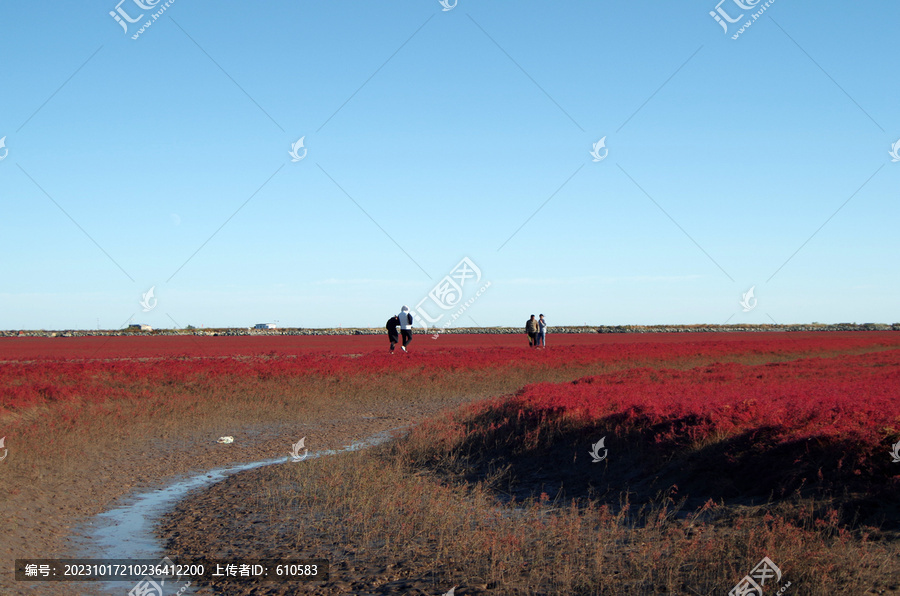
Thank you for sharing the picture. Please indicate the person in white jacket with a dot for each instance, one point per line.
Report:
(406, 326)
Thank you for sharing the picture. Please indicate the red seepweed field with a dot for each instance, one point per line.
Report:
(777, 443)
(726, 430)
(94, 369)
(198, 346)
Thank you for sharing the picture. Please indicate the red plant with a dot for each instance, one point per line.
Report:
(854, 398)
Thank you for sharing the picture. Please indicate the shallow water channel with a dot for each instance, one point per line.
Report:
(127, 531)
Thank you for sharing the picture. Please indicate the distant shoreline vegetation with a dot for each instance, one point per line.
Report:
(699, 328)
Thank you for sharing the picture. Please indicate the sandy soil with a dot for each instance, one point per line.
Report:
(40, 520)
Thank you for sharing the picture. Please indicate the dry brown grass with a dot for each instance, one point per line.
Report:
(458, 533)
(390, 507)
(66, 439)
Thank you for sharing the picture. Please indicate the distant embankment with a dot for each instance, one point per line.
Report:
(493, 330)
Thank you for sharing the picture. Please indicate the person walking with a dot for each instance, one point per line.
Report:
(406, 322)
(393, 334)
(542, 332)
(531, 329)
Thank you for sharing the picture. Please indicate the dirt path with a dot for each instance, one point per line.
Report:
(40, 520)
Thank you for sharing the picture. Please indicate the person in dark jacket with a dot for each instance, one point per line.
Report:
(531, 328)
(393, 335)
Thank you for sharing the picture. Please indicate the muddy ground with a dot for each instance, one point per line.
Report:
(42, 520)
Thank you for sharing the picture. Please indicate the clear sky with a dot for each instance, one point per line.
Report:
(433, 135)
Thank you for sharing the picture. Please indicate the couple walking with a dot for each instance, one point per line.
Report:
(404, 320)
(537, 332)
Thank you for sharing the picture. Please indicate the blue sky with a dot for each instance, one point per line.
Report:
(433, 135)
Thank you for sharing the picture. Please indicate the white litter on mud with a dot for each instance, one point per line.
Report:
(127, 531)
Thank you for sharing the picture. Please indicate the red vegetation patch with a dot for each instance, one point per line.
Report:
(854, 398)
(116, 347)
(820, 426)
(43, 371)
